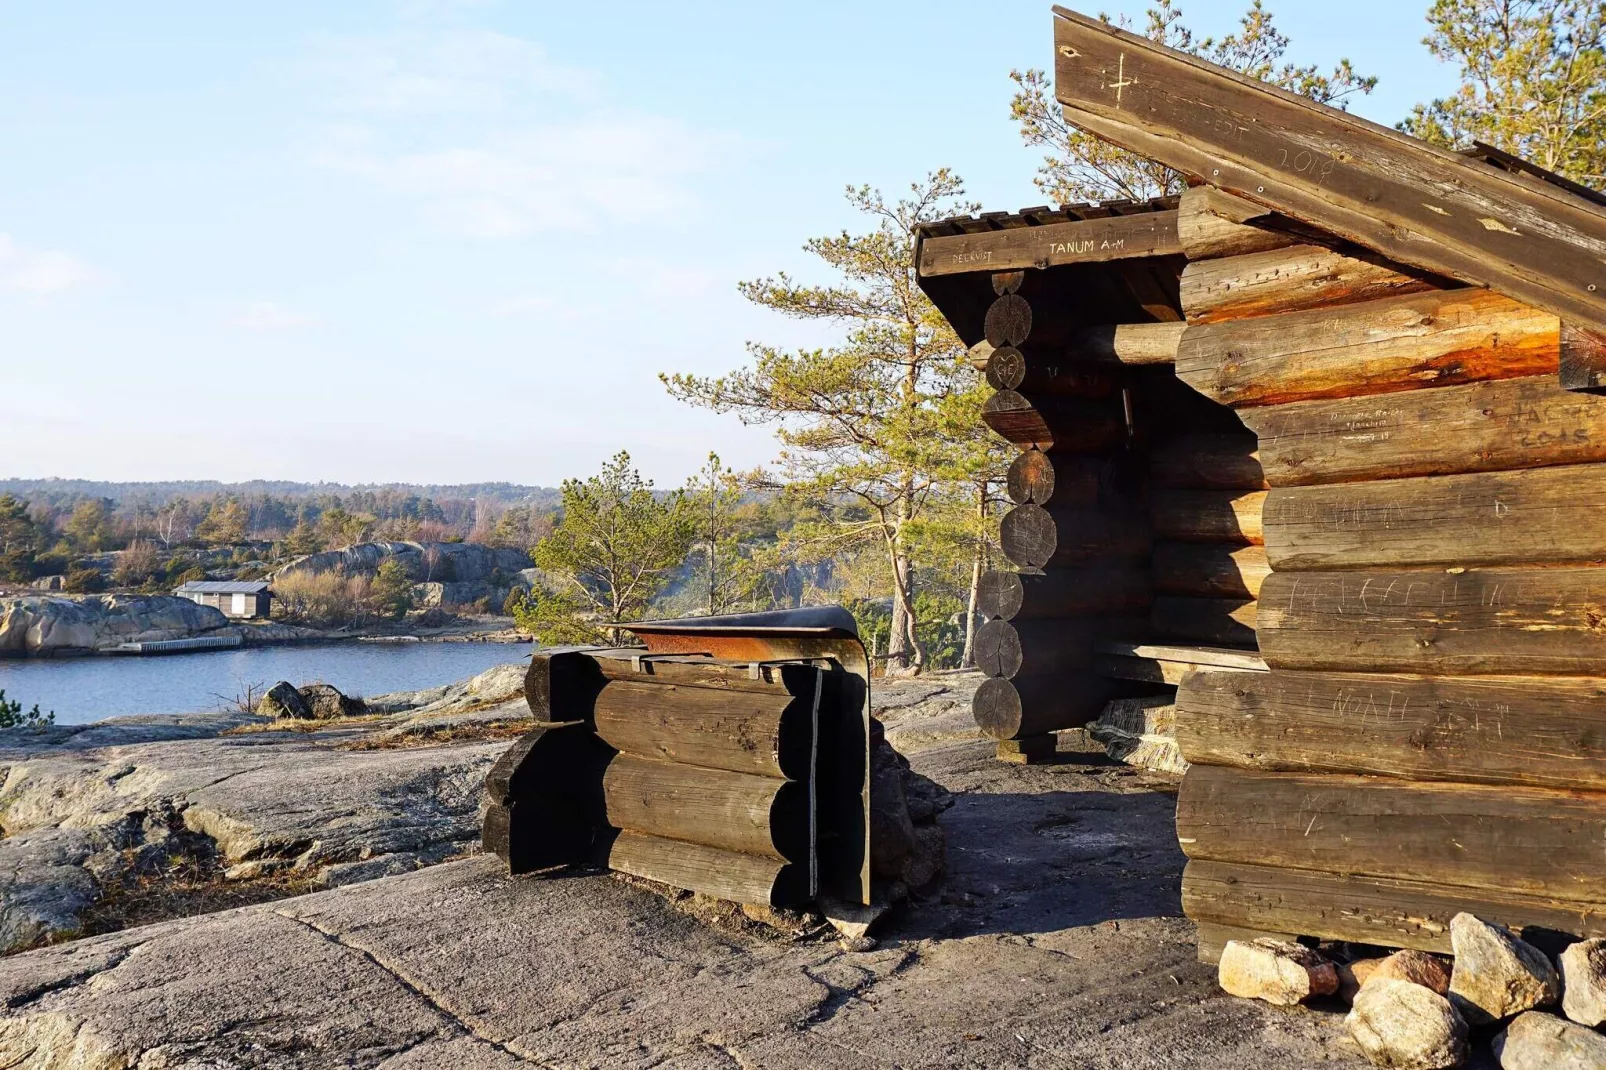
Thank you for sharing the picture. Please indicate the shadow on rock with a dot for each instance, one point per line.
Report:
(1031, 864)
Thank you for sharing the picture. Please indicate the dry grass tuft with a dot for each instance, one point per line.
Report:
(184, 881)
(422, 736)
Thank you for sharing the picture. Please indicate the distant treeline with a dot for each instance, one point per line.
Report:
(60, 493)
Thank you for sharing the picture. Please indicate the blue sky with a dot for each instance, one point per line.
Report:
(401, 240)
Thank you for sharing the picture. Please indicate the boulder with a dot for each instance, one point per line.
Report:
(1352, 975)
(1406, 1026)
(327, 703)
(1536, 1041)
(1496, 974)
(1277, 972)
(1583, 974)
(1141, 732)
(49, 583)
(1415, 967)
(284, 702)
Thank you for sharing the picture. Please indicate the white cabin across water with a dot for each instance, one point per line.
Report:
(238, 599)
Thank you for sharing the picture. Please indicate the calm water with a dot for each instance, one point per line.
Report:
(88, 689)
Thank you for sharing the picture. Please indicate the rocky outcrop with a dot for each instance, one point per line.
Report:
(425, 562)
(43, 626)
(1141, 732)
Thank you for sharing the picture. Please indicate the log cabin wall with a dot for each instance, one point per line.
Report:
(1431, 735)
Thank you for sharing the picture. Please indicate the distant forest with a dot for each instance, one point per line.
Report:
(154, 495)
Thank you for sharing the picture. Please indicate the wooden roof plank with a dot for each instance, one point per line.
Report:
(1052, 244)
(1408, 200)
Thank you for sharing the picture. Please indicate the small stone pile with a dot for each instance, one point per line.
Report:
(1416, 1011)
(313, 702)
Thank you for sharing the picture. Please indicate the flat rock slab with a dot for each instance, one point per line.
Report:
(1057, 943)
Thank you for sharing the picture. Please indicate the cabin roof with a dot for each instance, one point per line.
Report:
(222, 587)
(1488, 218)
(1043, 216)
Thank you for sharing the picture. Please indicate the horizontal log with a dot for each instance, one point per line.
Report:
(1211, 223)
(1157, 663)
(743, 732)
(1062, 593)
(1034, 537)
(726, 875)
(1054, 423)
(1209, 571)
(1208, 516)
(1226, 621)
(1072, 480)
(1012, 649)
(1542, 516)
(1287, 280)
(1402, 343)
(1546, 733)
(1367, 910)
(1513, 622)
(1038, 705)
(1076, 242)
(1525, 840)
(732, 811)
(1479, 427)
(1208, 462)
(1129, 343)
(1010, 369)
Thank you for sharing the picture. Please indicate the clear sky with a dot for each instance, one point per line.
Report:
(404, 240)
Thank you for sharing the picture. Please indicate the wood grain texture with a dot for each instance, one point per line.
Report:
(1037, 538)
(1129, 343)
(1211, 223)
(1542, 516)
(1287, 280)
(1054, 423)
(1409, 201)
(1225, 621)
(1208, 516)
(739, 878)
(1158, 663)
(1547, 733)
(1071, 480)
(1366, 910)
(1208, 462)
(1010, 369)
(743, 732)
(1479, 427)
(1402, 343)
(732, 811)
(1482, 622)
(1062, 593)
(1077, 242)
(1012, 649)
(1037, 705)
(1209, 571)
(1516, 839)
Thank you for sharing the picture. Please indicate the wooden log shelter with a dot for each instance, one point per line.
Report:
(1318, 444)
(727, 755)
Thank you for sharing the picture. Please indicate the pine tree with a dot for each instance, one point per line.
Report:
(1533, 82)
(1080, 167)
(614, 549)
(864, 424)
